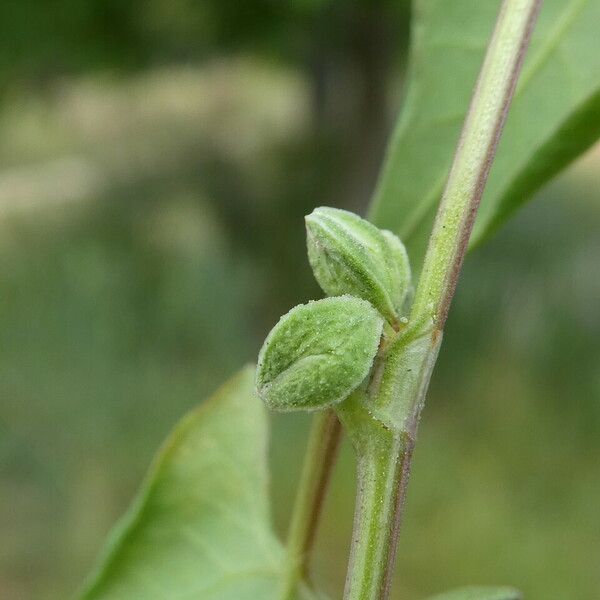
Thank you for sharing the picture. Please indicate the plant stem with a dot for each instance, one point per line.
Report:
(380, 496)
(384, 457)
(321, 451)
(473, 159)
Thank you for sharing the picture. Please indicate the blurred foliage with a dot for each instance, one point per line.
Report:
(152, 233)
(45, 38)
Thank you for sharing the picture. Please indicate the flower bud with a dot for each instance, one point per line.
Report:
(349, 255)
(318, 353)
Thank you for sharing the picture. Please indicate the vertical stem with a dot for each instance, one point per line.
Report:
(321, 451)
(384, 458)
(474, 156)
(382, 477)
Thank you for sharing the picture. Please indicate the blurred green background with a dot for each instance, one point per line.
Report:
(156, 160)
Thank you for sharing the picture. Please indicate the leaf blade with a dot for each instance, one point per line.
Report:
(201, 524)
(554, 115)
(572, 137)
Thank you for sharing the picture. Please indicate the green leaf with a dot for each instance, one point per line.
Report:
(200, 527)
(318, 353)
(480, 593)
(554, 117)
(349, 255)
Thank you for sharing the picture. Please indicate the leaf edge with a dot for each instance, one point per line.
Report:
(135, 511)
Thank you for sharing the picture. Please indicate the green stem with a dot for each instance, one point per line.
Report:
(381, 473)
(320, 455)
(383, 425)
(473, 159)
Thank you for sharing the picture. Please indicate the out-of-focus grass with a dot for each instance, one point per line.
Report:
(125, 297)
(152, 232)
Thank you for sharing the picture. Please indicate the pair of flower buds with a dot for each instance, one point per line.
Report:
(320, 352)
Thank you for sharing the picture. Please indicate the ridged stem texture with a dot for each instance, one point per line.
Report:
(383, 424)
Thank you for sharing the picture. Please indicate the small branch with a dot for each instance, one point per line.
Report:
(323, 443)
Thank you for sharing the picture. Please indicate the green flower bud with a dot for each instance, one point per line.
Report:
(349, 255)
(318, 353)
(399, 268)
